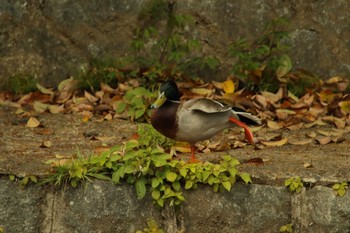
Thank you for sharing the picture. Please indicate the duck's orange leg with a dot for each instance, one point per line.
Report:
(248, 133)
(193, 155)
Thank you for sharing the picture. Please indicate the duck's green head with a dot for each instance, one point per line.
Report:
(167, 91)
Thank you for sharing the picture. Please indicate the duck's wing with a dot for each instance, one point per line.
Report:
(205, 105)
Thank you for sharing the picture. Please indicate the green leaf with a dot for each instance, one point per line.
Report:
(246, 178)
(183, 172)
(100, 176)
(33, 179)
(131, 144)
(140, 186)
(227, 185)
(336, 186)
(12, 177)
(341, 192)
(119, 107)
(160, 202)
(74, 183)
(155, 194)
(171, 176)
(188, 184)
(155, 182)
(139, 113)
(284, 68)
(177, 186)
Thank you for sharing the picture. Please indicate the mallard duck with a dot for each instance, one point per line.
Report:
(195, 120)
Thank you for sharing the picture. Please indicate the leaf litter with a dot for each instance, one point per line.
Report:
(329, 104)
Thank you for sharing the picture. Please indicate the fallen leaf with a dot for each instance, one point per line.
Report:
(202, 91)
(345, 106)
(323, 140)
(45, 90)
(33, 122)
(239, 144)
(228, 86)
(90, 97)
(273, 125)
(40, 107)
(108, 117)
(45, 131)
(46, 144)
(56, 108)
(300, 142)
(311, 134)
(261, 100)
(283, 114)
(308, 165)
(256, 161)
(275, 143)
(295, 127)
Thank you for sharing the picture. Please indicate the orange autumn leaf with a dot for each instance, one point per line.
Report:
(228, 86)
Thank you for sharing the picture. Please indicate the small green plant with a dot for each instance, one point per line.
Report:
(341, 188)
(23, 181)
(287, 228)
(136, 103)
(152, 227)
(150, 170)
(264, 61)
(163, 45)
(100, 71)
(2, 229)
(294, 184)
(21, 84)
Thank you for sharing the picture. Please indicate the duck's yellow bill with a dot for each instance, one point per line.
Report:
(160, 101)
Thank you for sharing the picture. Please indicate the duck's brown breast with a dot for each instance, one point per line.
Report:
(164, 119)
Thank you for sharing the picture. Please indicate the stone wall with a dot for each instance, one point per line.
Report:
(54, 39)
(103, 207)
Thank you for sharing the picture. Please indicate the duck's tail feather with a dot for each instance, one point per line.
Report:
(246, 117)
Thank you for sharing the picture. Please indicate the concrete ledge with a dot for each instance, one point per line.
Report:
(100, 206)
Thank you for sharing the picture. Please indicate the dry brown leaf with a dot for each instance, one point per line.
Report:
(273, 98)
(33, 122)
(46, 144)
(45, 90)
(283, 114)
(45, 131)
(300, 142)
(273, 125)
(56, 108)
(90, 97)
(317, 122)
(108, 117)
(202, 91)
(295, 127)
(338, 122)
(308, 165)
(275, 143)
(311, 134)
(323, 140)
(40, 107)
(239, 144)
(261, 100)
(255, 161)
(217, 85)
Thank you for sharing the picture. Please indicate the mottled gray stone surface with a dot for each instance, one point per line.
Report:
(55, 39)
